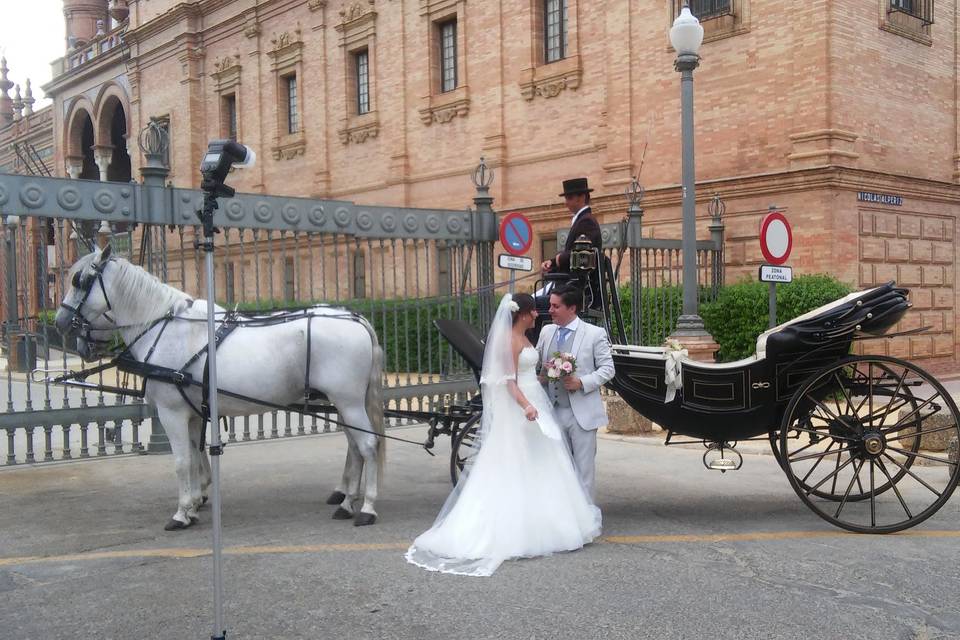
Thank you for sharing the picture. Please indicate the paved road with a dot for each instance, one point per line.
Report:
(688, 553)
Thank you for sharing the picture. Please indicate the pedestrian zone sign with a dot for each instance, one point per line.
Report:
(516, 263)
(770, 273)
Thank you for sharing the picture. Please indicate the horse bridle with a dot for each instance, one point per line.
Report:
(78, 322)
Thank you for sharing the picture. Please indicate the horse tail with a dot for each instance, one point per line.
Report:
(374, 399)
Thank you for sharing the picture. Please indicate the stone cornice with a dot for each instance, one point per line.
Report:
(161, 23)
(611, 206)
(804, 180)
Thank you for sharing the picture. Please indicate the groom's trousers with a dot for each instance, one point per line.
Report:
(582, 444)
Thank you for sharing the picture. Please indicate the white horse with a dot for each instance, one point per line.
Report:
(267, 363)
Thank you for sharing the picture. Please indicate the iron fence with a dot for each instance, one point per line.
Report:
(400, 268)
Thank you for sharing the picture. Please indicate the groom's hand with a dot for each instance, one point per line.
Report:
(572, 383)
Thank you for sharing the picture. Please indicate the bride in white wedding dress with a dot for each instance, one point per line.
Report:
(521, 496)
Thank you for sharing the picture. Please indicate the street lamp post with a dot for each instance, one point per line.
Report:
(686, 36)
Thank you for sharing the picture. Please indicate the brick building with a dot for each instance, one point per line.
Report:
(842, 113)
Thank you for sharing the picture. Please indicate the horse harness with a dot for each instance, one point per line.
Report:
(181, 379)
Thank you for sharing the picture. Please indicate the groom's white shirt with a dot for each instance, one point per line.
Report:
(594, 368)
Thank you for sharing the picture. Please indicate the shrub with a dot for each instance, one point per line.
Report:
(740, 312)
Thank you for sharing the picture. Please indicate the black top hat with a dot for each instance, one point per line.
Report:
(574, 186)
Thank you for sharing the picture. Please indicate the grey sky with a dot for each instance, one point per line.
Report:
(31, 37)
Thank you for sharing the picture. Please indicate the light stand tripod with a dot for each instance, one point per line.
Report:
(220, 156)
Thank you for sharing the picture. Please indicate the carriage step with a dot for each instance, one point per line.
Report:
(717, 457)
(723, 464)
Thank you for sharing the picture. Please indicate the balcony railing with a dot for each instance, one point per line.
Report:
(922, 10)
(98, 47)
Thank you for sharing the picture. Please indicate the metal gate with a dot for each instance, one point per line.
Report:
(401, 268)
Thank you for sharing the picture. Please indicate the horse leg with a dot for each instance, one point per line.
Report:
(352, 471)
(366, 444)
(205, 477)
(196, 426)
(340, 492)
(175, 423)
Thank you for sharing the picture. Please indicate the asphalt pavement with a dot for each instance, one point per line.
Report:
(687, 553)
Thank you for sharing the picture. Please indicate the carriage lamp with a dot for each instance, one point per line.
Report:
(583, 257)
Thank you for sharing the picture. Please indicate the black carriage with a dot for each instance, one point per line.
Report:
(846, 429)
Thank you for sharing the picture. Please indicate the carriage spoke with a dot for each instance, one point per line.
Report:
(923, 432)
(840, 467)
(856, 476)
(911, 414)
(892, 409)
(804, 447)
(873, 496)
(816, 464)
(896, 393)
(912, 474)
(819, 454)
(825, 433)
(893, 484)
(914, 454)
(833, 485)
(822, 406)
(843, 389)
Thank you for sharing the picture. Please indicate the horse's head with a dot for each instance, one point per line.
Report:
(85, 308)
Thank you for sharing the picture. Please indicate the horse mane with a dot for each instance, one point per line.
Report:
(141, 295)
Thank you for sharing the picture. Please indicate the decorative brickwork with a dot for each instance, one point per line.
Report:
(917, 251)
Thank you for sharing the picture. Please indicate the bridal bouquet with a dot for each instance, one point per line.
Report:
(560, 365)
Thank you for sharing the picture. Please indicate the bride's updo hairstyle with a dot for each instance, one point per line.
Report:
(525, 304)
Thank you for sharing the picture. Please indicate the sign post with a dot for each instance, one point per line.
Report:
(776, 242)
(516, 236)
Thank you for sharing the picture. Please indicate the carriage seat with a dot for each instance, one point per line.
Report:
(870, 311)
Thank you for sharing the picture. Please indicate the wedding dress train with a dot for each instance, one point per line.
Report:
(521, 496)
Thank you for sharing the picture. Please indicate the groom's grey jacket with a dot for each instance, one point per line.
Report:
(594, 368)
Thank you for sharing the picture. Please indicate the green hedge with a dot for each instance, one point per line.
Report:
(740, 312)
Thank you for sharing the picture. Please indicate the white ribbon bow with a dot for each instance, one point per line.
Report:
(675, 354)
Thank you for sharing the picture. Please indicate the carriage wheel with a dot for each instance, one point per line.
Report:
(807, 424)
(853, 432)
(466, 444)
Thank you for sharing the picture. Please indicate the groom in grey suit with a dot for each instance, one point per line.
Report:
(576, 397)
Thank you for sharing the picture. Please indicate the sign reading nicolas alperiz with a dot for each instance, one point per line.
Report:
(879, 198)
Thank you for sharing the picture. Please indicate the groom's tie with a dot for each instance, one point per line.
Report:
(562, 339)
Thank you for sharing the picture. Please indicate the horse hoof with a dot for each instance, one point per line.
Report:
(203, 501)
(336, 497)
(176, 525)
(364, 519)
(342, 514)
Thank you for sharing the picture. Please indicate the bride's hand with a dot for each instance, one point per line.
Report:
(530, 412)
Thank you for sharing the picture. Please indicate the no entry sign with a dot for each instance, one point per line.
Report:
(516, 234)
(776, 238)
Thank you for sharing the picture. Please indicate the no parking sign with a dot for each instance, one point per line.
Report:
(516, 234)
